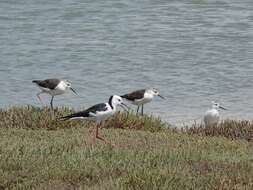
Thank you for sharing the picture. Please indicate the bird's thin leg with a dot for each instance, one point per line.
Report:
(137, 110)
(91, 129)
(99, 137)
(51, 103)
(142, 109)
(38, 95)
(92, 134)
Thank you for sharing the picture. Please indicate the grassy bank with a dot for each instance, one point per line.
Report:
(230, 129)
(37, 152)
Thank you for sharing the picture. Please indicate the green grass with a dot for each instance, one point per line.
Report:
(38, 152)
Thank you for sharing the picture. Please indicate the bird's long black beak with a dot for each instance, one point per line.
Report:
(161, 96)
(73, 90)
(223, 108)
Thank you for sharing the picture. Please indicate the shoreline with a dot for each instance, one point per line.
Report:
(178, 122)
(31, 117)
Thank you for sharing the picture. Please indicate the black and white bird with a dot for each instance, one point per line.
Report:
(141, 97)
(99, 113)
(212, 116)
(53, 87)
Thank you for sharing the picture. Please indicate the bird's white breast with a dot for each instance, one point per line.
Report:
(211, 117)
(59, 89)
(146, 99)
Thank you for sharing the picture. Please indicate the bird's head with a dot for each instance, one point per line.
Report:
(154, 92)
(116, 100)
(68, 85)
(217, 106)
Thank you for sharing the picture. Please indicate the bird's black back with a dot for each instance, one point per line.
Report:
(86, 113)
(138, 94)
(48, 83)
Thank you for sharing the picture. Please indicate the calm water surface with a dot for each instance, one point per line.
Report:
(192, 51)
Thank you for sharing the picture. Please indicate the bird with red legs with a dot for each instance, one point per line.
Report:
(98, 113)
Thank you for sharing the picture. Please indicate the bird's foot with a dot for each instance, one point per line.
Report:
(105, 141)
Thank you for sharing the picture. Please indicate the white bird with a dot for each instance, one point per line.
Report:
(98, 113)
(141, 97)
(212, 115)
(53, 87)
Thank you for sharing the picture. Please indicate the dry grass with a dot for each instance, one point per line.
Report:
(131, 121)
(30, 117)
(229, 128)
(36, 156)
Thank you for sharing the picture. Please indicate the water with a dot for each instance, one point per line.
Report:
(192, 51)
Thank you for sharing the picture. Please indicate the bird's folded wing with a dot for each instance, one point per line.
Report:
(49, 83)
(90, 112)
(78, 115)
(134, 95)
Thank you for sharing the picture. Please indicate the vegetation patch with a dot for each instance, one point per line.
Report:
(52, 154)
(30, 117)
(229, 128)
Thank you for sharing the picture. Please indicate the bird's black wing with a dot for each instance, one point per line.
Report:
(138, 94)
(86, 113)
(48, 83)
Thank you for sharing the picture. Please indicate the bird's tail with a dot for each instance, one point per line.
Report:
(72, 116)
(123, 96)
(36, 81)
(64, 118)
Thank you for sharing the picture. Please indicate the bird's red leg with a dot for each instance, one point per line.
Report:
(91, 129)
(92, 134)
(101, 138)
